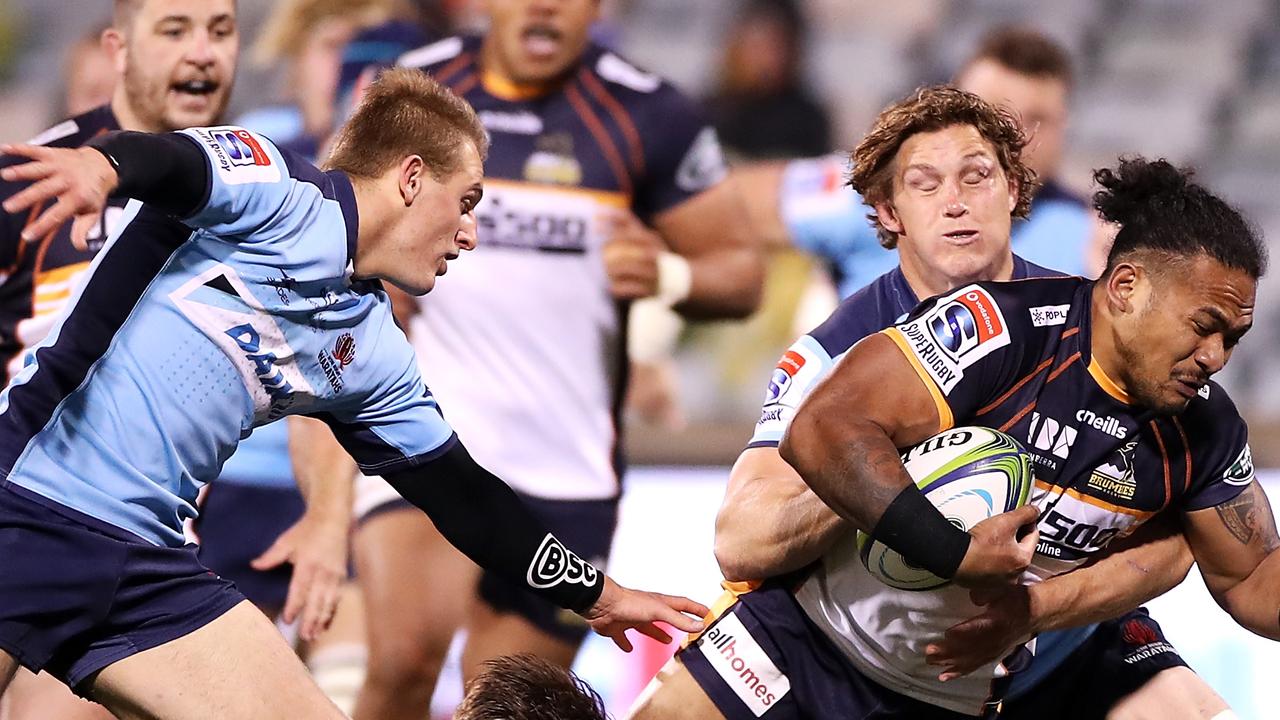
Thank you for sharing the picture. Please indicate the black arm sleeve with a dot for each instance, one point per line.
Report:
(167, 171)
(481, 516)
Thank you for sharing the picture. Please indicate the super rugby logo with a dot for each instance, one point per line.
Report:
(241, 147)
(237, 155)
(554, 564)
(966, 322)
(783, 374)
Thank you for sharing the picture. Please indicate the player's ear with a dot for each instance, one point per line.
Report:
(888, 217)
(113, 42)
(411, 177)
(1013, 195)
(1125, 286)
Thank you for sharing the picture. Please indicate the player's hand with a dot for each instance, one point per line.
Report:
(1004, 623)
(78, 180)
(631, 251)
(996, 555)
(317, 548)
(620, 609)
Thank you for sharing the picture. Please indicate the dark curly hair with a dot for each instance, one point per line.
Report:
(525, 687)
(931, 109)
(1158, 207)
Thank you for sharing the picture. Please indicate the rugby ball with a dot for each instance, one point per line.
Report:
(969, 474)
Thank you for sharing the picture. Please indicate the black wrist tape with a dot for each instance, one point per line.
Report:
(913, 527)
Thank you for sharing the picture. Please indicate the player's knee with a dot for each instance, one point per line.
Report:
(674, 695)
(405, 666)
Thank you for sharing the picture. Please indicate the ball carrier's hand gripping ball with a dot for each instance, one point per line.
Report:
(969, 474)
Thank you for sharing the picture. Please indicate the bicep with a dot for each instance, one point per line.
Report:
(877, 383)
(712, 221)
(1232, 538)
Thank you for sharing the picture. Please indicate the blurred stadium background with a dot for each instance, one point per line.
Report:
(1196, 82)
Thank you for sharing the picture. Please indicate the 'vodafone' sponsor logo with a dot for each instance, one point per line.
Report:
(743, 664)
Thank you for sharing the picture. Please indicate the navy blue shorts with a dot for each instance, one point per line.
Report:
(77, 594)
(237, 523)
(764, 658)
(1117, 659)
(587, 527)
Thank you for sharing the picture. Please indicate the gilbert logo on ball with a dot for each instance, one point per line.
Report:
(969, 474)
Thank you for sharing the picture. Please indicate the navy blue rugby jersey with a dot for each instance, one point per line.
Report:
(37, 278)
(1016, 357)
(886, 300)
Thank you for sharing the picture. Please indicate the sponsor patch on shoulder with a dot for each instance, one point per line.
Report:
(57, 132)
(783, 374)
(1241, 471)
(961, 329)
(744, 665)
(1047, 315)
(237, 155)
(703, 165)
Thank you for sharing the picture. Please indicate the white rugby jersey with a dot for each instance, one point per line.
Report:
(524, 341)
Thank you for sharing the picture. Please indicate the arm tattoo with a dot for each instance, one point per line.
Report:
(1247, 515)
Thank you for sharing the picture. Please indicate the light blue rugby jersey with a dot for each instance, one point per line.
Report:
(829, 220)
(180, 342)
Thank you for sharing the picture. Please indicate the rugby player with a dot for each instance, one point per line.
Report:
(771, 524)
(526, 687)
(181, 341)
(806, 203)
(177, 60)
(1108, 382)
(604, 185)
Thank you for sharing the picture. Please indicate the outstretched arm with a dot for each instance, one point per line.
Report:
(1238, 549)
(481, 516)
(770, 522)
(167, 171)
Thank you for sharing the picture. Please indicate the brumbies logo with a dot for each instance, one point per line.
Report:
(554, 564)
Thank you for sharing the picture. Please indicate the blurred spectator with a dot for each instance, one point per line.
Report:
(762, 107)
(89, 75)
(308, 37)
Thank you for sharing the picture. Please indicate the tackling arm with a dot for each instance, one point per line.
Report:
(770, 522)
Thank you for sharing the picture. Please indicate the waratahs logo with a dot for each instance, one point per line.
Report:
(344, 350)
